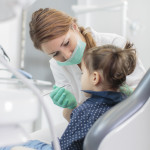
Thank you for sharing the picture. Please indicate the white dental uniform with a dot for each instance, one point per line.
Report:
(70, 75)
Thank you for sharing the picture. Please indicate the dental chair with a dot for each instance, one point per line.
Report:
(126, 126)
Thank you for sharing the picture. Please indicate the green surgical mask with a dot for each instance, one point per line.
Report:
(76, 56)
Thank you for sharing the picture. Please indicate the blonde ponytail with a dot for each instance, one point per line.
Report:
(88, 37)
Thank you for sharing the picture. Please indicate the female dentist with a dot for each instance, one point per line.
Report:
(59, 36)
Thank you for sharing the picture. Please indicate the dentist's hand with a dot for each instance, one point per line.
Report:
(63, 97)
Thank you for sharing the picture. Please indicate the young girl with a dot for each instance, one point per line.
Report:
(104, 70)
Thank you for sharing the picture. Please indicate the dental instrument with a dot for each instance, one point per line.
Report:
(52, 90)
(2, 52)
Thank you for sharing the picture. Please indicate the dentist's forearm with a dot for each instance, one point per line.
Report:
(67, 112)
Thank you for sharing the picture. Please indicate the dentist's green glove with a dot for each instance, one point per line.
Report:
(63, 97)
(126, 90)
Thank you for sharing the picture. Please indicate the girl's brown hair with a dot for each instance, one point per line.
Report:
(48, 24)
(113, 62)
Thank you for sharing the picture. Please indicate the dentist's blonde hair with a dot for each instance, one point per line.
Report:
(48, 24)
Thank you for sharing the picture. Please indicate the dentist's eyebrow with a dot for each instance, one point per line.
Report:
(52, 53)
(67, 37)
(62, 42)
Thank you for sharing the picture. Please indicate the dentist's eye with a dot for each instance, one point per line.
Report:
(66, 44)
(55, 54)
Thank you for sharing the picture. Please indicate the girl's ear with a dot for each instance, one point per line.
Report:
(96, 79)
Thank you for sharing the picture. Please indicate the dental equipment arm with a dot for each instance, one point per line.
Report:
(37, 93)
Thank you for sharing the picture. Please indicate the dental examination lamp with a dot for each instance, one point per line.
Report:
(10, 112)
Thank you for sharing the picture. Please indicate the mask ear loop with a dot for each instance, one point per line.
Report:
(77, 37)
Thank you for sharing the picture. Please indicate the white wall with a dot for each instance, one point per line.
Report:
(10, 37)
(140, 12)
(104, 21)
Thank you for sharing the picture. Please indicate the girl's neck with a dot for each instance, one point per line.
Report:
(99, 88)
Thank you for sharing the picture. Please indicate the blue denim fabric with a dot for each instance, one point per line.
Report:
(35, 144)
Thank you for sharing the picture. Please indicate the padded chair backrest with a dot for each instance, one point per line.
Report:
(126, 126)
